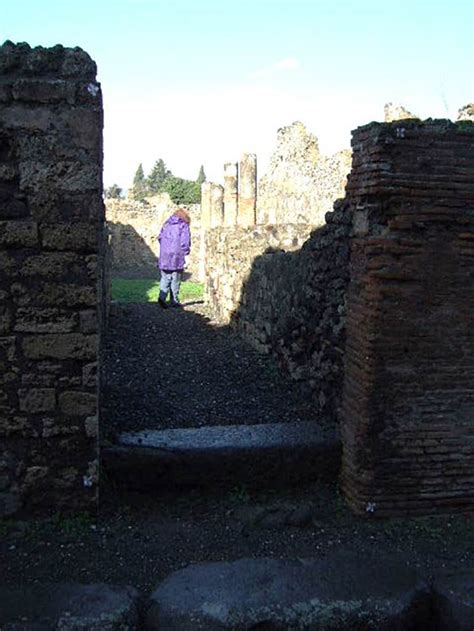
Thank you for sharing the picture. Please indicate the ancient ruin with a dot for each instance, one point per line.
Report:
(51, 241)
(408, 394)
(368, 310)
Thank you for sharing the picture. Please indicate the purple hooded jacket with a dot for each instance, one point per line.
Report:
(175, 242)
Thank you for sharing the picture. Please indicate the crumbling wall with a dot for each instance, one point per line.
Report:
(231, 253)
(408, 402)
(301, 184)
(51, 239)
(293, 306)
(134, 228)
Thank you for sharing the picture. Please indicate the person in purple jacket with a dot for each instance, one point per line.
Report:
(175, 245)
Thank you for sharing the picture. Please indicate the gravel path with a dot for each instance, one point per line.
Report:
(175, 368)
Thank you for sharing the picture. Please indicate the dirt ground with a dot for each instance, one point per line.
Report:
(175, 369)
(138, 540)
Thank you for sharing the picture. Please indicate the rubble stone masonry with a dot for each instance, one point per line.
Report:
(133, 233)
(51, 237)
(408, 401)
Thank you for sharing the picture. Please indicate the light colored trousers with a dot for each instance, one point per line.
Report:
(170, 281)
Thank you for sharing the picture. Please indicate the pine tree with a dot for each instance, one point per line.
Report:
(202, 176)
(139, 188)
(158, 176)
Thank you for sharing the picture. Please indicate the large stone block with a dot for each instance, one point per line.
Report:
(43, 90)
(64, 175)
(51, 264)
(37, 399)
(61, 346)
(80, 237)
(61, 294)
(15, 234)
(77, 403)
(53, 320)
(18, 117)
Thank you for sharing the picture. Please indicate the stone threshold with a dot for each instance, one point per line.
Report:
(339, 591)
(272, 455)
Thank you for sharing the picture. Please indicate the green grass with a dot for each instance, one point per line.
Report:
(147, 290)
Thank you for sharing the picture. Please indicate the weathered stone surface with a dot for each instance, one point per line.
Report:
(42, 91)
(408, 397)
(394, 112)
(246, 210)
(37, 399)
(90, 375)
(61, 346)
(69, 607)
(231, 191)
(334, 593)
(466, 113)
(89, 322)
(50, 320)
(285, 293)
(14, 234)
(454, 601)
(52, 264)
(77, 403)
(301, 184)
(51, 235)
(77, 237)
(270, 455)
(133, 230)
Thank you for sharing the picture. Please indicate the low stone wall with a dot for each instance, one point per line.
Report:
(51, 239)
(230, 256)
(134, 228)
(284, 290)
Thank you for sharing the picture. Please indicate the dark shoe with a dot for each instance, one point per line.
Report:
(162, 303)
(176, 304)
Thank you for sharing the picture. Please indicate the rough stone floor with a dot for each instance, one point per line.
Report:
(175, 368)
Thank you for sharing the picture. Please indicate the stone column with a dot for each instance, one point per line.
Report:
(206, 188)
(217, 205)
(246, 213)
(51, 253)
(231, 184)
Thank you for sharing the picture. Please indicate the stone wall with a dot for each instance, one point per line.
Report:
(230, 257)
(283, 288)
(51, 235)
(408, 402)
(301, 184)
(134, 228)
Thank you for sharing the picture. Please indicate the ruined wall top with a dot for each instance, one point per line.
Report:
(395, 112)
(466, 113)
(301, 184)
(58, 62)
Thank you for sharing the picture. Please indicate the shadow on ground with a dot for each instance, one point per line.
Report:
(174, 368)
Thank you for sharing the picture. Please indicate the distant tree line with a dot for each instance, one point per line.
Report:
(161, 180)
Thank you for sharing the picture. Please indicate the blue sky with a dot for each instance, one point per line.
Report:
(201, 82)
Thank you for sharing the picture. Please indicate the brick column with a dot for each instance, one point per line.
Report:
(246, 213)
(408, 400)
(231, 185)
(51, 235)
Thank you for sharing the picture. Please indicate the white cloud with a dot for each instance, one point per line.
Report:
(290, 63)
